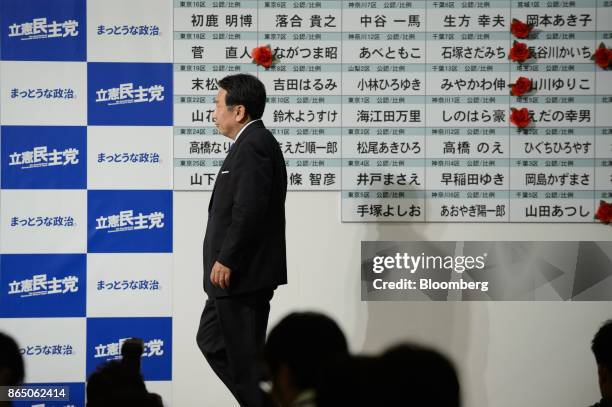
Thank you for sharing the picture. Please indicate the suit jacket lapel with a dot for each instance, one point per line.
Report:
(252, 126)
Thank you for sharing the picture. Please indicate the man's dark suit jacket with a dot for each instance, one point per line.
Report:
(246, 215)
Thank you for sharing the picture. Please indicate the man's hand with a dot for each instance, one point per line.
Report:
(220, 275)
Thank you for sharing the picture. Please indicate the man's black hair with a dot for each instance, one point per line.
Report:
(602, 345)
(305, 342)
(246, 90)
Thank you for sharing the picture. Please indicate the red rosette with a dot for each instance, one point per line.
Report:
(519, 29)
(521, 86)
(519, 52)
(602, 56)
(520, 117)
(604, 212)
(263, 56)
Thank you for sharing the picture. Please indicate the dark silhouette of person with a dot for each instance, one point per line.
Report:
(404, 375)
(120, 383)
(12, 371)
(602, 349)
(297, 351)
(11, 362)
(353, 381)
(420, 375)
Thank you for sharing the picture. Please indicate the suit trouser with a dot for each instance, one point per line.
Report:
(231, 336)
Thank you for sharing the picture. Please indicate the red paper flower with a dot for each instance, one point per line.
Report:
(263, 56)
(521, 86)
(519, 52)
(519, 29)
(520, 117)
(604, 212)
(602, 56)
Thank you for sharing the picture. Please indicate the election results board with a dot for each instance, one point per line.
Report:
(404, 107)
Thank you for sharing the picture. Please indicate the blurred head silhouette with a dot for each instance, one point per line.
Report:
(11, 363)
(602, 349)
(298, 348)
(405, 375)
(119, 382)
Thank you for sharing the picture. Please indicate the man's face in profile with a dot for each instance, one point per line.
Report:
(224, 117)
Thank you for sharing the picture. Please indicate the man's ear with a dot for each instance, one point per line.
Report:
(241, 114)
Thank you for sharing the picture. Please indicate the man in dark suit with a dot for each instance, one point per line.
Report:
(244, 247)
